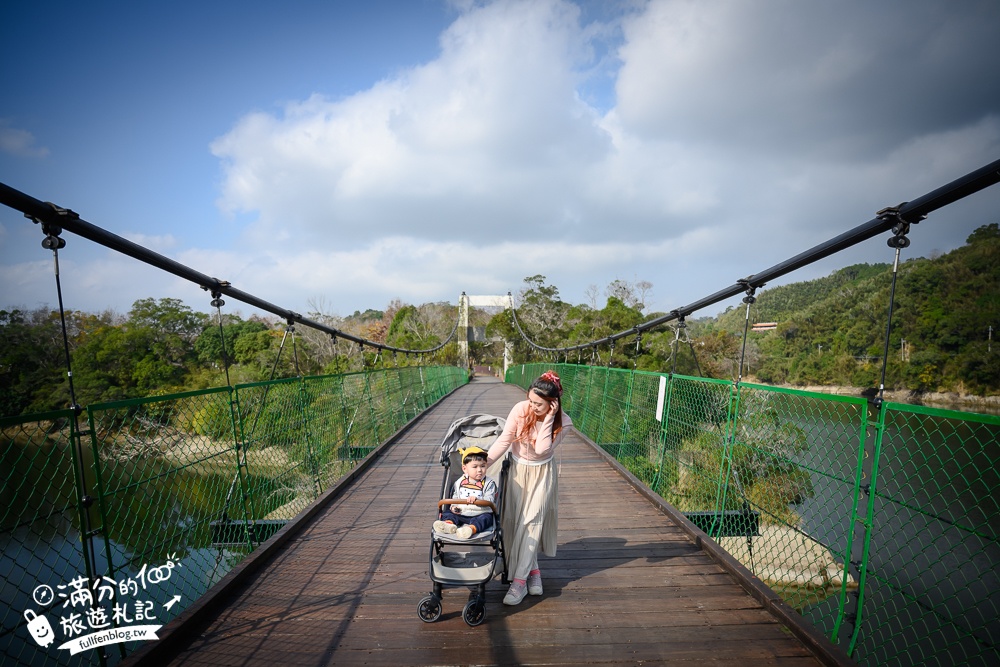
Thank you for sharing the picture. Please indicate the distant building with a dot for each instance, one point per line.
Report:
(764, 326)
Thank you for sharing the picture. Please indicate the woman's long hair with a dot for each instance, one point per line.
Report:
(548, 386)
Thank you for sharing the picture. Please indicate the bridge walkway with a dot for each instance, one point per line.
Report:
(628, 586)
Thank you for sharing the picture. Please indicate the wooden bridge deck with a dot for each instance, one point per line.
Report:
(629, 585)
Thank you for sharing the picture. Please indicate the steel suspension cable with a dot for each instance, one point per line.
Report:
(910, 212)
(53, 242)
(55, 219)
(749, 299)
(898, 242)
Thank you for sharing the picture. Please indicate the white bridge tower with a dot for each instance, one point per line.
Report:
(467, 334)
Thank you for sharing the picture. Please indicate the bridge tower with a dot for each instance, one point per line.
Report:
(467, 334)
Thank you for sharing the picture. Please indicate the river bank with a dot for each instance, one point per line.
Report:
(948, 400)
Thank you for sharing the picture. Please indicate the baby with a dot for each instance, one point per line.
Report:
(465, 520)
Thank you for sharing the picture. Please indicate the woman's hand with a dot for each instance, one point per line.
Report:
(553, 407)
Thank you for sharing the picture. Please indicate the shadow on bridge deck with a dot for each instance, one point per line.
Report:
(629, 584)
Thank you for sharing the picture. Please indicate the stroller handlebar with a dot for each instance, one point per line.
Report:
(468, 501)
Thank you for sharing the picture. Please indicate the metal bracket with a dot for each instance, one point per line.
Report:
(52, 231)
(217, 301)
(750, 290)
(900, 227)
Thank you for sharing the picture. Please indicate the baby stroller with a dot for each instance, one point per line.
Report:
(472, 562)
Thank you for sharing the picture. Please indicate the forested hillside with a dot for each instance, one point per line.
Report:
(162, 346)
(830, 331)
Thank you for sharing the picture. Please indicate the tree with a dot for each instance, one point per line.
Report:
(169, 317)
(540, 310)
(984, 233)
(32, 360)
(410, 329)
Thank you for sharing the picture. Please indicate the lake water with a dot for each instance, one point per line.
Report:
(933, 591)
(164, 520)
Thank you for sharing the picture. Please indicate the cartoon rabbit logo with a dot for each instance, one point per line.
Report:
(39, 628)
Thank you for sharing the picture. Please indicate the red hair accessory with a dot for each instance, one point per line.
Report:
(549, 376)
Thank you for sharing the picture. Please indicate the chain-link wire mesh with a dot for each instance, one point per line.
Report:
(275, 454)
(794, 464)
(40, 530)
(879, 526)
(932, 592)
(167, 494)
(170, 490)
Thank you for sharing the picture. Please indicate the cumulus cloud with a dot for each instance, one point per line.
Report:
(18, 142)
(683, 142)
(489, 138)
(737, 135)
(843, 80)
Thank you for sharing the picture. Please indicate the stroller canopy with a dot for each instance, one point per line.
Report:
(464, 432)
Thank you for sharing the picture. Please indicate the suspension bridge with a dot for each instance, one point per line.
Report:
(288, 520)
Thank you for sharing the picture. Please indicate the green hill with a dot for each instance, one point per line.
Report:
(832, 330)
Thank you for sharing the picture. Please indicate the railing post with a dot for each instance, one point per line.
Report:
(103, 509)
(668, 391)
(604, 397)
(664, 431)
(586, 401)
(368, 396)
(304, 409)
(872, 445)
(346, 444)
(863, 517)
(84, 502)
(423, 388)
(241, 445)
(628, 408)
(726, 464)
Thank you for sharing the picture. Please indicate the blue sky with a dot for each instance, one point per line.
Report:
(335, 155)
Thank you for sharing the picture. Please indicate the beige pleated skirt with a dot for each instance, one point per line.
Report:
(530, 514)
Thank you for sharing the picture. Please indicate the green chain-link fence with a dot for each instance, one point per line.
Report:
(160, 497)
(878, 524)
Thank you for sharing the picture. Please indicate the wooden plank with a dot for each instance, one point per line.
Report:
(626, 586)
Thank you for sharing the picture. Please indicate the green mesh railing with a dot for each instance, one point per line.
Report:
(879, 525)
(160, 497)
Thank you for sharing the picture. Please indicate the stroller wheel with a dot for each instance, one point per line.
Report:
(429, 609)
(474, 612)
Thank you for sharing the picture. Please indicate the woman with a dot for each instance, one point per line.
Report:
(534, 429)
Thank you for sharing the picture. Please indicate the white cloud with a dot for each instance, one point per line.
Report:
(841, 80)
(18, 142)
(488, 139)
(740, 135)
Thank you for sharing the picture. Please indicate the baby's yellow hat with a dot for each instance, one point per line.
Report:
(474, 449)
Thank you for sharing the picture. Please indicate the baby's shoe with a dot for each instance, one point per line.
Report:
(445, 527)
(465, 532)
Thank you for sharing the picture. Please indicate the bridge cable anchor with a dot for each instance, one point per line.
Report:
(899, 240)
(52, 231)
(900, 227)
(749, 300)
(217, 301)
(638, 347)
